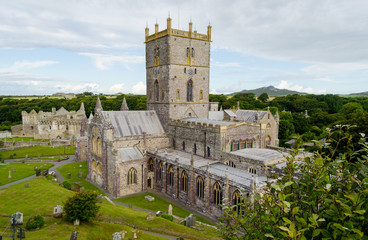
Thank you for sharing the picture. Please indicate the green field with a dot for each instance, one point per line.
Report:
(22, 170)
(73, 169)
(26, 139)
(158, 204)
(43, 195)
(37, 151)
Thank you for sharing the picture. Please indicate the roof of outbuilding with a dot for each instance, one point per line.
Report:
(131, 153)
(134, 123)
(230, 113)
(249, 115)
(216, 115)
(260, 154)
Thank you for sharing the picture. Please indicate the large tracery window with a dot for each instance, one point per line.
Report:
(190, 91)
(184, 181)
(200, 187)
(236, 202)
(132, 176)
(156, 91)
(217, 194)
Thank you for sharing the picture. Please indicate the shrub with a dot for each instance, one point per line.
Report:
(67, 185)
(168, 217)
(35, 222)
(82, 206)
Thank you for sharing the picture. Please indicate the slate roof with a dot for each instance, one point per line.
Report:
(216, 115)
(249, 115)
(208, 121)
(134, 123)
(230, 113)
(260, 154)
(62, 111)
(131, 153)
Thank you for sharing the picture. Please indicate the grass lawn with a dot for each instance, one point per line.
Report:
(36, 151)
(26, 139)
(74, 168)
(43, 195)
(158, 204)
(22, 170)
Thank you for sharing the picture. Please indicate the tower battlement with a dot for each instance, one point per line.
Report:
(178, 33)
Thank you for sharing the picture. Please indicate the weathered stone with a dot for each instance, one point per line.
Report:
(149, 198)
(169, 211)
(58, 211)
(116, 236)
(18, 217)
(21, 233)
(9, 175)
(158, 213)
(76, 222)
(26, 185)
(74, 235)
(69, 175)
(100, 198)
(80, 174)
(150, 217)
(81, 189)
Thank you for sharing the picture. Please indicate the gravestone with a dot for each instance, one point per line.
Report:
(11, 156)
(135, 234)
(80, 166)
(74, 235)
(100, 198)
(18, 218)
(54, 180)
(58, 211)
(21, 233)
(158, 213)
(9, 174)
(169, 210)
(69, 175)
(26, 156)
(76, 222)
(116, 236)
(149, 198)
(123, 234)
(80, 174)
(12, 170)
(26, 185)
(190, 220)
(150, 217)
(35, 168)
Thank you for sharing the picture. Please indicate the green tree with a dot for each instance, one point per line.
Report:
(263, 97)
(323, 197)
(82, 206)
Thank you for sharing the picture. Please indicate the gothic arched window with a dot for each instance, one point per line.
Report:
(184, 181)
(236, 201)
(171, 176)
(190, 91)
(132, 176)
(156, 91)
(150, 165)
(160, 171)
(200, 187)
(217, 194)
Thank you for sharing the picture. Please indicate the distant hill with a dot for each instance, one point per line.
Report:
(361, 94)
(271, 91)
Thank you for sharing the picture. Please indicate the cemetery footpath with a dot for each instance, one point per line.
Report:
(54, 168)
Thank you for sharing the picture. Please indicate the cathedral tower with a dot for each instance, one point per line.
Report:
(177, 72)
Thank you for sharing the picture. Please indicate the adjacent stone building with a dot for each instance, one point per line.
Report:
(58, 124)
(182, 145)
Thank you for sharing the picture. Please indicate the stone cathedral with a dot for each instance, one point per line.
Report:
(182, 145)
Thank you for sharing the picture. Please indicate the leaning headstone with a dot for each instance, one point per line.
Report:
(192, 220)
(150, 217)
(76, 222)
(80, 174)
(69, 175)
(26, 185)
(169, 210)
(74, 235)
(9, 175)
(21, 233)
(116, 236)
(12, 170)
(58, 211)
(18, 218)
(158, 213)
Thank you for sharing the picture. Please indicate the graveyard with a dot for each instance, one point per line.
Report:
(18, 171)
(36, 152)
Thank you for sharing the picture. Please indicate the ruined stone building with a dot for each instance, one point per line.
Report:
(182, 145)
(58, 124)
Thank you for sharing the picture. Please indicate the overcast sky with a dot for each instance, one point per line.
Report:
(315, 46)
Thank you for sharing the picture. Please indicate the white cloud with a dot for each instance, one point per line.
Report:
(295, 87)
(226, 64)
(104, 61)
(29, 83)
(26, 65)
(86, 87)
(116, 88)
(139, 88)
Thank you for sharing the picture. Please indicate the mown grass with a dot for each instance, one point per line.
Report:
(37, 151)
(43, 195)
(158, 204)
(73, 169)
(22, 170)
(26, 139)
